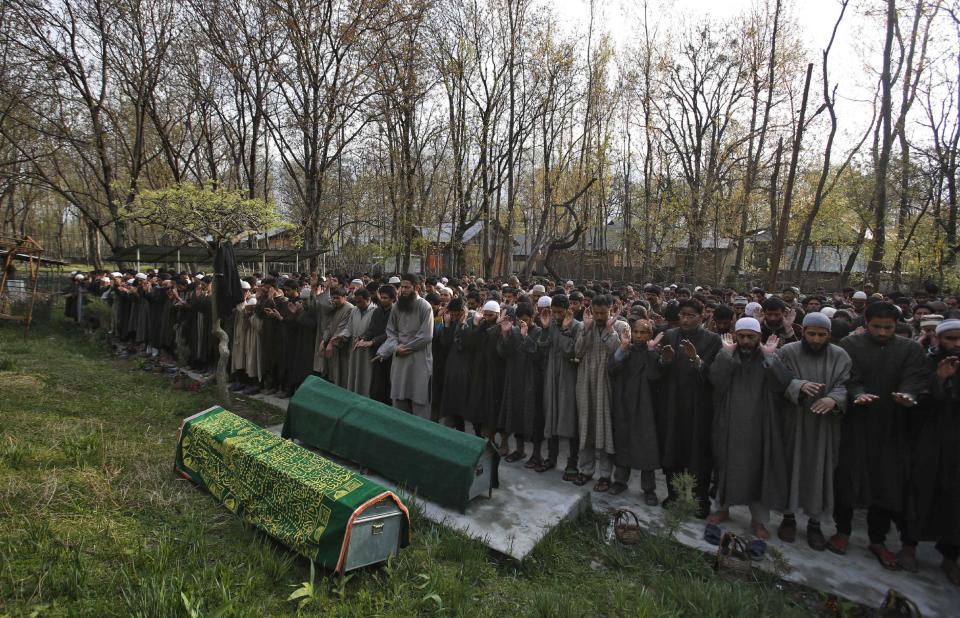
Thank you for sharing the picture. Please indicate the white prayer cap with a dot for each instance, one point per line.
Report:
(828, 311)
(115, 274)
(130, 281)
(948, 325)
(79, 277)
(570, 283)
(140, 276)
(244, 285)
(505, 285)
(752, 308)
(544, 301)
(697, 289)
(740, 300)
(747, 324)
(444, 280)
(538, 288)
(492, 305)
(673, 286)
(305, 290)
(394, 279)
(251, 301)
(859, 296)
(479, 280)
(931, 320)
(357, 282)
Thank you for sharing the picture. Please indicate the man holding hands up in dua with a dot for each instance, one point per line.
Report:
(817, 397)
(594, 344)
(748, 380)
(685, 411)
(556, 342)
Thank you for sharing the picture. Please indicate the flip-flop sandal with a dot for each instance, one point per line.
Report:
(756, 549)
(617, 488)
(838, 544)
(712, 534)
(582, 479)
(885, 557)
(602, 485)
(570, 475)
(533, 463)
(515, 456)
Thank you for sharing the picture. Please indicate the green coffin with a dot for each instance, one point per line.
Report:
(437, 462)
(301, 499)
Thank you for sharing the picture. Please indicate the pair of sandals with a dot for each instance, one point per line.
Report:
(602, 485)
(730, 544)
(514, 456)
(540, 465)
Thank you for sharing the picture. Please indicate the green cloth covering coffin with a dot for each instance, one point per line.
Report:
(439, 463)
(299, 498)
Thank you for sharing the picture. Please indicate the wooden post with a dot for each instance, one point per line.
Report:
(223, 347)
(179, 266)
(138, 259)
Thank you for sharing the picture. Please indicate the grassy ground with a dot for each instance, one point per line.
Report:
(93, 522)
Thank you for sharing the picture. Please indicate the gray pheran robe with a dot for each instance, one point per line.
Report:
(410, 374)
(560, 381)
(593, 348)
(813, 440)
(748, 444)
(360, 368)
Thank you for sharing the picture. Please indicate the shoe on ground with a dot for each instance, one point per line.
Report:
(650, 498)
(787, 532)
(815, 538)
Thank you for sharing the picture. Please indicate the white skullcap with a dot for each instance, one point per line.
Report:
(828, 311)
(251, 301)
(948, 325)
(697, 289)
(356, 282)
(116, 274)
(79, 277)
(931, 320)
(747, 324)
(570, 283)
(859, 296)
(130, 281)
(752, 308)
(394, 279)
(140, 276)
(543, 302)
(244, 285)
(538, 288)
(444, 280)
(491, 305)
(479, 280)
(305, 290)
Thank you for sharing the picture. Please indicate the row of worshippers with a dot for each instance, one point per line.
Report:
(755, 403)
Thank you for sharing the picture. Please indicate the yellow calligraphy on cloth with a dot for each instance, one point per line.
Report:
(270, 482)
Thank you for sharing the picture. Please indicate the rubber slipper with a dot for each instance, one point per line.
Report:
(712, 534)
(756, 549)
(885, 557)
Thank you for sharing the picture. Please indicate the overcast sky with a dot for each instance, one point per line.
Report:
(857, 47)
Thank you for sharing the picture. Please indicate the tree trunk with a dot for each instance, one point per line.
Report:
(223, 347)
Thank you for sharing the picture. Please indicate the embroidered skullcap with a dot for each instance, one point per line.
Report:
(931, 320)
(538, 288)
(543, 302)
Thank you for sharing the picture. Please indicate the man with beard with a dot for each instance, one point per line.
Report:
(817, 397)
(935, 472)
(375, 335)
(521, 411)
(458, 369)
(722, 321)
(634, 371)
(685, 412)
(486, 387)
(748, 381)
(778, 320)
(336, 335)
(359, 366)
(887, 375)
(559, 384)
(596, 341)
(409, 334)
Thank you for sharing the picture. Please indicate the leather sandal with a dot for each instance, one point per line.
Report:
(617, 488)
(581, 479)
(602, 485)
(884, 556)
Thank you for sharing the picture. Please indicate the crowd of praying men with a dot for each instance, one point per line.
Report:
(821, 403)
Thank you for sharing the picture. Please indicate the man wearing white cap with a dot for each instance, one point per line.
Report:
(817, 397)
(486, 392)
(409, 335)
(748, 381)
(935, 473)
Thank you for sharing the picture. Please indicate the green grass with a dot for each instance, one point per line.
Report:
(93, 522)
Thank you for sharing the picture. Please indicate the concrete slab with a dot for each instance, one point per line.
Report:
(528, 504)
(856, 576)
(513, 520)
